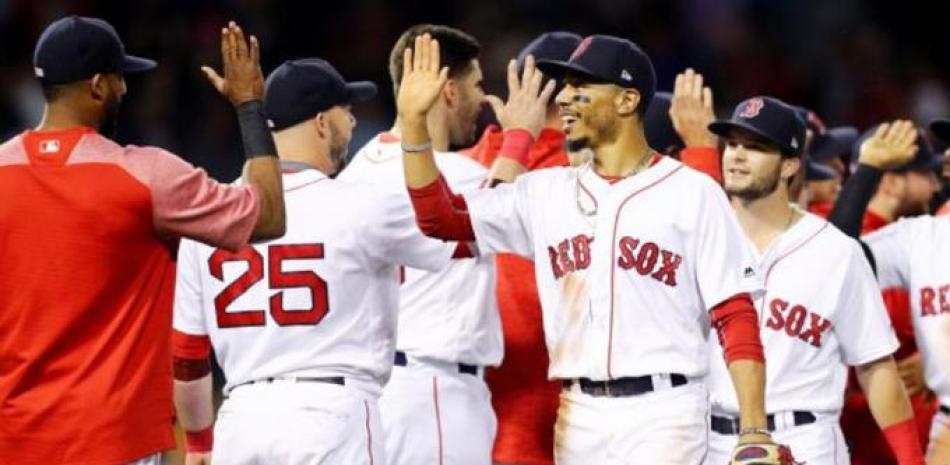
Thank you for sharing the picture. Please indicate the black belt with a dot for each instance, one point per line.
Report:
(621, 387)
(329, 380)
(945, 409)
(464, 368)
(730, 426)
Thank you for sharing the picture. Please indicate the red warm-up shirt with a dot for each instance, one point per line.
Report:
(525, 402)
(87, 229)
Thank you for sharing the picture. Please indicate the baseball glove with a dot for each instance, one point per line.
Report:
(762, 454)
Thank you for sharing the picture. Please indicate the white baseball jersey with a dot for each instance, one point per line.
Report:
(320, 301)
(914, 254)
(451, 314)
(821, 312)
(626, 272)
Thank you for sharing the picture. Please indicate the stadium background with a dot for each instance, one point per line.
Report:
(855, 62)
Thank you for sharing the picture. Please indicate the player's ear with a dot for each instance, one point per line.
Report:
(627, 101)
(450, 93)
(99, 88)
(790, 167)
(322, 125)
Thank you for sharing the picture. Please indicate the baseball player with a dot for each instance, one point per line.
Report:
(87, 229)
(303, 327)
(941, 129)
(436, 408)
(524, 400)
(821, 310)
(912, 253)
(627, 271)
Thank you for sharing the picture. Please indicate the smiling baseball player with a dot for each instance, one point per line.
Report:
(304, 327)
(635, 256)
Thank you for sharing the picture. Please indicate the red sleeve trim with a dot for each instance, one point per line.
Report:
(737, 325)
(704, 159)
(440, 213)
(199, 441)
(904, 442)
(190, 346)
(517, 145)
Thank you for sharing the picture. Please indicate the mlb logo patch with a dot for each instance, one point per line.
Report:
(752, 108)
(49, 146)
(625, 75)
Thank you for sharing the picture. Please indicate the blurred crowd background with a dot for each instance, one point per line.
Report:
(854, 62)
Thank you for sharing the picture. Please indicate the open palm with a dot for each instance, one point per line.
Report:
(892, 145)
(422, 78)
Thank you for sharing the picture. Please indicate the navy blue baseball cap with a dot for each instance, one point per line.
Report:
(75, 48)
(608, 59)
(833, 143)
(941, 129)
(924, 160)
(299, 89)
(555, 45)
(770, 119)
(815, 171)
(658, 126)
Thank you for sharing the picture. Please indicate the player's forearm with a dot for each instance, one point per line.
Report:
(891, 409)
(262, 171)
(419, 166)
(193, 403)
(748, 377)
(885, 392)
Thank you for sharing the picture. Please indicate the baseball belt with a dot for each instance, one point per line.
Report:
(303, 379)
(401, 360)
(621, 387)
(730, 426)
(945, 410)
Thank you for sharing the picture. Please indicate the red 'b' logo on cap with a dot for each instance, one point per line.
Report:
(752, 108)
(582, 47)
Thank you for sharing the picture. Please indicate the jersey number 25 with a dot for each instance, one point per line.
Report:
(277, 279)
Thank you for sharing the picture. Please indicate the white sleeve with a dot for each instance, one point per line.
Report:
(724, 261)
(188, 316)
(889, 246)
(501, 218)
(861, 321)
(389, 234)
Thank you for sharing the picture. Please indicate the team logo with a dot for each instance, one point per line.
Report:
(752, 108)
(49, 146)
(625, 75)
(582, 47)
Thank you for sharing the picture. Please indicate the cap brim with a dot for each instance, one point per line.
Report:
(941, 129)
(722, 128)
(556, 70)
(134, 64)
(819, 172)
(360, 91)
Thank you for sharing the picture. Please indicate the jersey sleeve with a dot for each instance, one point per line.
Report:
(188, 314)
(889, 246)
(724, 259)
(186, 202)
(390, 235)
(501, 218)
(861, 320)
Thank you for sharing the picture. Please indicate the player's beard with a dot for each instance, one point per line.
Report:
(109, 125)
(759, 188)
(601, 126)
(339, 147)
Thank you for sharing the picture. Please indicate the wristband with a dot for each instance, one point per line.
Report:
(199, 441)
(255, 134)
(516, 145)
(904, 442)
(748, 431)
(417, 148)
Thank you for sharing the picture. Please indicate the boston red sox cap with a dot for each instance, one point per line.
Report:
(658, 127)
(769, 118)
(608, 59)
(299, 89)
(550, 46)
(941, 129)
(76, 48)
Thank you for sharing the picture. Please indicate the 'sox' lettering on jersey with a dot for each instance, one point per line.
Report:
(793, 322)
(934, 300)
(650, 259)
(570, 255)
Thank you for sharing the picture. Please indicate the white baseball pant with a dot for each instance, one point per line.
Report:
(433, 414)
(298, 423)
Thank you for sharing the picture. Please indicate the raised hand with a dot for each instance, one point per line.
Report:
(422, 78)
(892, 145)
(243, 80)
(691, 110)
(527, 103)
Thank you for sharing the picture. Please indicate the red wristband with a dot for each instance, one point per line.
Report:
(904, 442)
(516, 145)
(199, 441)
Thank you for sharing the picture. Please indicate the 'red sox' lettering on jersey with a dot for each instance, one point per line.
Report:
(797, 322)
(934, 300)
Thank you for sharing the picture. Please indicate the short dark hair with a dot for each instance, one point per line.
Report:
(51, 92)
(457, 49)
